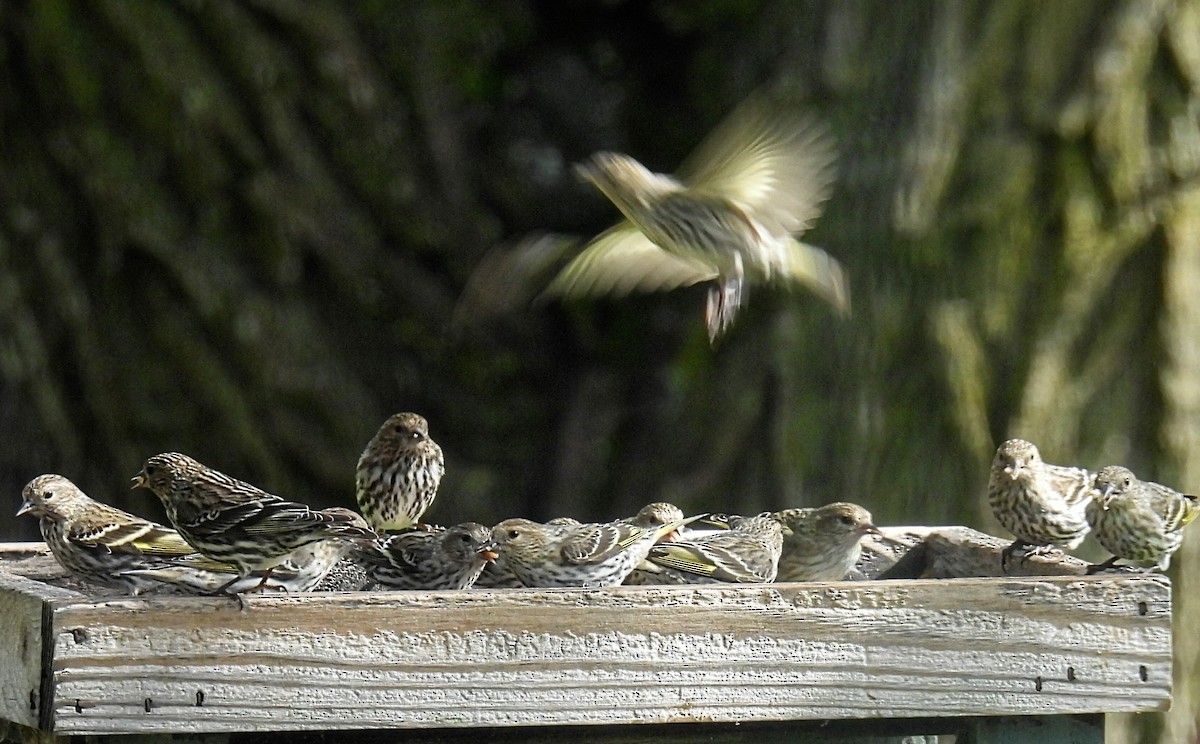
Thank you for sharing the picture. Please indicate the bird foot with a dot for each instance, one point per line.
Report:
(1027, 550)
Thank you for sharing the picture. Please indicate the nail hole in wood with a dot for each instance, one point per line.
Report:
(79, 635)
(78, 706)
(199, 698)
(33, 699)
(1070, 674)
(1143, 672)
(148, 704)
(1037, 684)
(1143, 608)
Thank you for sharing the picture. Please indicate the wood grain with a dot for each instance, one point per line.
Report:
(627, 655)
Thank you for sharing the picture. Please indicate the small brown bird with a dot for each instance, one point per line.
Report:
(589, 555)
(497, 574)
(746, 553)
(1139, 521)
(730, 218)
(234, 522)
(303, 571)
(94, 541)
(822, 543)
(1043, 505)
(398, 473)
(437, 558)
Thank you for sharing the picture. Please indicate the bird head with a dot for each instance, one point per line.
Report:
(159, 472)
(1110, 482)
(627, 183)
(1016, 456)
(50, 496)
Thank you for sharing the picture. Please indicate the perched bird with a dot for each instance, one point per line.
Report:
(437, 558)
(1138, 520)
(94, 541)
(746, 553)
(398, 473)
(587, 555)
(822, 543)
(497, 574)
(303, 571)
(731, 216)
(233, 522)
(656, 514)
(1041, 504)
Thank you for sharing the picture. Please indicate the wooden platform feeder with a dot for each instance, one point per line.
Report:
(1009, 658)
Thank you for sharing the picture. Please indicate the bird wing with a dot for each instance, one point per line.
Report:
(1075, 484)
(820, 272)
(141, 537)
(1176, 510)
(592, 543)
(622, 260)
(723, 559)
(772, 160)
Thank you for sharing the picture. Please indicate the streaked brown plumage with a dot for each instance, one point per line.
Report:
(822, 543)
(587, 555)
(234, 522)
(1136, 520)
(435, 558)
(398, 473)
(746, 553)
(497, 574)
(94, 541)
(1043, 505)
(757, 181)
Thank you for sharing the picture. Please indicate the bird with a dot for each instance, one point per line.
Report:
(234, 522)
(436, 558)
(303, 571)
(586, 555)
(731, 217)
(497, 574)
(656, 514)
(822, 543)
(398, 473)
(1042, 505)
(97, 542)
(745, 553)
(1136, 520)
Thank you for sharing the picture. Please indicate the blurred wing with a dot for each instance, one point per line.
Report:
(1175, 510)
(508, 278)
(773, 161)
(820, 272)
(622, 260)
(1075, 484)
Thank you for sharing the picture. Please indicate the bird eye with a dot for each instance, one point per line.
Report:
(416, 435)
(47, 495)
(846, 519)
(465, 538)
(514, 534)
(151, 470)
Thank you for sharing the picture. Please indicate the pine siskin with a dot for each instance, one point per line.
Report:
(94, 541)
(233, 522)
(303, 571)
(436, 558)
(1041, 504)
(757, 181)
(1137, 520)
(588, 555)
(822, 543)
(497, 574)
(746, 553)
(398, 473)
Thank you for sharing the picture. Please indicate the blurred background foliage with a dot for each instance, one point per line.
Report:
(239, 230)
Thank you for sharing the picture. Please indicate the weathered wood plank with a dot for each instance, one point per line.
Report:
(21, 646)
(630, 655)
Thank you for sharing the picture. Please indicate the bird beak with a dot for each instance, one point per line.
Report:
(26, 506)
(869, 529)
(1106, 496)
(1014, 469)
(488, 552)
(139, 481)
